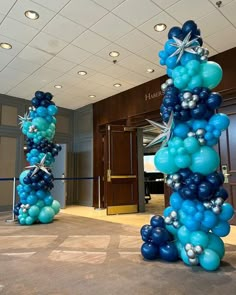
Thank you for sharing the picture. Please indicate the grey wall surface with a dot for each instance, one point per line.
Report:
(83, 153)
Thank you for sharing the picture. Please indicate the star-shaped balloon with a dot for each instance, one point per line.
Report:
(185, 45)
(25, 118)
(39, 166)
(166, 131)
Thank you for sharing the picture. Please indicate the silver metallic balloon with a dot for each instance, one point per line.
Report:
(192, 104)
(184, 104)
(203, 58)
(173, 214)
(176, 177)
(168, 220)
(169, 82)
(163, 86)
(191, 253)
(200, 132)
(188, 246)
(201, 141)
(187, 95)
(176, 224)
(207, 205)
(193, 261)
(219, 201)
(177, 185)
(200, 51)
(198, 249)
(216, 209)
(191, 134)
(195, 97)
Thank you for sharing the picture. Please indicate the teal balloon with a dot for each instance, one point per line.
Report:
(52, 110)
(199, 238)
(194, 66)
(222, 229)
(220, 121)
(183, 161)
(184, 235)
(56, 206)
(165, 162)
(33, 211)
(227, 212)
(191, 144)
(29, 220)
(40, 123)
(46, 215)
(205, 161)
(184, 256)
(216, 244)
(209, 260)
(181, 130)
(173, 230)
(176, 142)
(211, 73)
(176, 201)
(196, 81)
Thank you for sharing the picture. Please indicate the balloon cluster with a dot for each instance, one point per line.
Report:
(36, 202)
(198, 215)
(158, 242)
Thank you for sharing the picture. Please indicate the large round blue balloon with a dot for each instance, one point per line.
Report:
(157, 221)
(205, 161)
(149, 251)
(209, 260)
(211, 73)
(165, 162)
(220, 121)
(169, 252)
(216, 244)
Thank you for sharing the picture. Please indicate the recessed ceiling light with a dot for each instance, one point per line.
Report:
(114, 53)
(31, 14)
(160, 27)
(82, 73)
(58, 86)
(117, 85)
(5, 45)
(150, 70)
(92, 96)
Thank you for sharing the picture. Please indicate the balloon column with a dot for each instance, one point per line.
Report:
(198, 215)
(36, 203)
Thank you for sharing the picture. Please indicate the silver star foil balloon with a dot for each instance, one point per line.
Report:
(39, 166)
(22, 119)
(186, 45)
(164, 129)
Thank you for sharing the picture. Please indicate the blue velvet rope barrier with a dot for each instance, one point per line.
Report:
(57, 178)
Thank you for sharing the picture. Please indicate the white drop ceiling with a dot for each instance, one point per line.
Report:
(77, 35)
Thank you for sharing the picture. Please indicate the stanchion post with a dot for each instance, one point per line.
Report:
(13, 200)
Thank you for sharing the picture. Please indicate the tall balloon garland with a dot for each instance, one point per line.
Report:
(36, 202)
(198, 216)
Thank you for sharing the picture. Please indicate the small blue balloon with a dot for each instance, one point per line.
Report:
(209, 260)
(149, 251)
(169, 252)
(222, 229)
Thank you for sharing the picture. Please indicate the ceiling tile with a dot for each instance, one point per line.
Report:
(96, 63)
(22, 91)
(63, 28)
(215, 40)
(115, 71)
(17, 13)
(23, 65)
(74, 54)
(5, 86)
(91, 41)
(163, 17)
(102, 79)
(67, 81)
(104, 53)
(5, 6)
(45, 76)
(151, 52)
(60, 65)
(84, 12)
(225, 2)
(209, 25)
(230, 11)
(134, 41)
(136, 12)
(1, 17)
(4, 59)
(47, 43)
(109, 4)
(163, 4)
(16, 46)
(17, 31)
(35, 55)
(78, 68)
(212, 51)
(54, 5)
(111, 27)
(134, 78)
(195, 9)
(12, 76)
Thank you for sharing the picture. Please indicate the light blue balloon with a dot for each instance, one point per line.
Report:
(216, 244)
(209, 220)
(167, 211)
(211, 73)
(176, 201)
(165, 162)
(184, 256)
(40, 123)
(42, 111)
(33, 211)
(205, 161)
(209, 260)
(192, 224)
(196, 81)
(181, 130)
(52, 110)
(197, 124)
(199, 238)
(194, 66)
(56, 206)
(169, 48)
(227, 212)
(222, 229)
(220, 121)
(183, 161)
(46, 215)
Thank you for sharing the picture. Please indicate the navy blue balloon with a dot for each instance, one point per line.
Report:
(45, 103)
(221, 193)
(205, 191)
(160, 235)
(215, 179)
(203, 95)
(149, 251)
(197, 178)
(197, 90)
(35, 102)
(199, 111)
(174, 32)
(39, 94)
(189, 26)
(214, 101)
(185, 173)
(157, 221)
(169, 252)
(48, 96)
(186, 193)
(146, 232)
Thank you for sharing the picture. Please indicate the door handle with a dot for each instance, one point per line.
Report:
(122, 176)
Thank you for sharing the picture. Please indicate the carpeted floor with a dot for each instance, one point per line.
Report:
(77, 255)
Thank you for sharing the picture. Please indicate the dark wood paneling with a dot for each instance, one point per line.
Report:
(133, 106)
